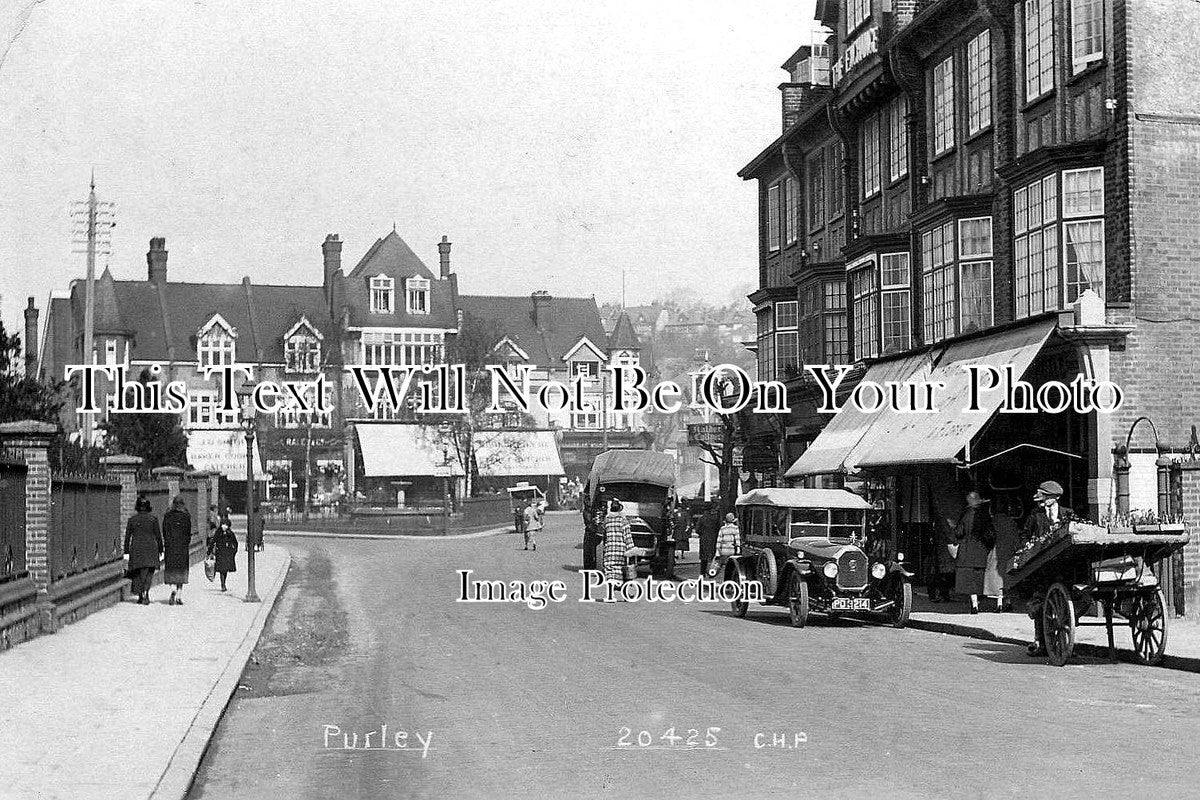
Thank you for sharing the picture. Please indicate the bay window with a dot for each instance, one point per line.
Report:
(895, 280)
(975, 273)
(836, 338)
(766, 344)
(1042, 218)
(787, 345)
(864, 297)
(938, 282)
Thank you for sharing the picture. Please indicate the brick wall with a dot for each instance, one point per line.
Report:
(1190, 475)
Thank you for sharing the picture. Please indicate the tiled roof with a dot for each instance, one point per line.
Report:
(392, 257)
(624, 337)
(569, 319)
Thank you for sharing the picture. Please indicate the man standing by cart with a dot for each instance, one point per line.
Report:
(1046, 518)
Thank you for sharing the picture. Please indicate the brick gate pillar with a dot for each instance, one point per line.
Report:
(171, 476)
(29, 441)
(124, 468)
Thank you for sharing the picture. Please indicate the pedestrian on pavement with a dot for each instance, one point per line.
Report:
(709, 526)
(532, 524)
(177, 543)
(519, 518)
(729, 543)
(144, 546)
(976, 537)
(1046, 518)
(1005, 513)
(618, 543)
(225, 547)
(945, 550)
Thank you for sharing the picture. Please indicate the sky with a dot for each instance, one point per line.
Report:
(555, 143)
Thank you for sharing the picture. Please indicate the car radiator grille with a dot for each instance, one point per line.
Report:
(852, 571)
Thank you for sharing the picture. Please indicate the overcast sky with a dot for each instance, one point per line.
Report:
(555, 143)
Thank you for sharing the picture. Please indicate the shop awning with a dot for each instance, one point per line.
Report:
(940, 436)
(392, 450)
(503, 454)
(222, 451)
(832, 450)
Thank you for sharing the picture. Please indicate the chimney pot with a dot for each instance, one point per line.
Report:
(331, 249)
(156, 260)
(444, 256)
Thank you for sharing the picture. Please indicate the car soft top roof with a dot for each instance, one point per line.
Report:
(632, 466)
(804, 498)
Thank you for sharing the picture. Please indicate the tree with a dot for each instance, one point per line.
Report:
(24, 396)
(158, 439)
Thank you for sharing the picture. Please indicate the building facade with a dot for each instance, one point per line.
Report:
(987, 183)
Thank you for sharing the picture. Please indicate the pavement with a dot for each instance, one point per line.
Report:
(122, 704)
(372, 681)
(955, 618)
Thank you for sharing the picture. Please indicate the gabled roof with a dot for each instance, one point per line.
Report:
(588, 343)
(566, 320)
(624, 337)
(392, 257)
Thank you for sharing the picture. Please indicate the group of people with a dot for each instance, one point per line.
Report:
(149, 544)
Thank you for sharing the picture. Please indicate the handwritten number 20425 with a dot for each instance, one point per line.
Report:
(644, 738)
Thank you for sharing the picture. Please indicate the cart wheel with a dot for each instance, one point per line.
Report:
(1148, 623)
(739, 607)
(1058, 624)
(797, 592)
(903, 607)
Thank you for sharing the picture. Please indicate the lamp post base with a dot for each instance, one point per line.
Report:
(251, 597)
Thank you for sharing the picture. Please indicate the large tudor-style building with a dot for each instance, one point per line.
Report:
(390, 310)
(995, 183)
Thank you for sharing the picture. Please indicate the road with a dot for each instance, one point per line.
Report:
(514, 702)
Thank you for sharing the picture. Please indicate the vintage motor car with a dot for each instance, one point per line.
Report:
(806, 547)
(644, 483)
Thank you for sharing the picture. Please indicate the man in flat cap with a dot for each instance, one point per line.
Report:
(1046, 517)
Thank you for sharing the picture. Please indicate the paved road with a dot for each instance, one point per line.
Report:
(524, 703)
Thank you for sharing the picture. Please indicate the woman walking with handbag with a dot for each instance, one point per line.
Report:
(177, 543)
(224, 547)
(144, 546)
(976, 538)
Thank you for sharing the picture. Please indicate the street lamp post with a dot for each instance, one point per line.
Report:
(249, 420)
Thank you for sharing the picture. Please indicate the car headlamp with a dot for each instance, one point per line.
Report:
(878, 571)
(830, 569)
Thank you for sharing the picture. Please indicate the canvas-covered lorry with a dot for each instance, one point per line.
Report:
(644, 482)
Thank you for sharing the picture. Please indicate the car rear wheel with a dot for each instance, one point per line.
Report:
(903, 597)
(797, 600)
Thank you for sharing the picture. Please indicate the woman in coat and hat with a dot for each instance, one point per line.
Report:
(976, 538)
(618, 541)
(144, 546)
(177, 543)
(224, 547)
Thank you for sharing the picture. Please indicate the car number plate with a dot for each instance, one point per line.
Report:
(851, 604)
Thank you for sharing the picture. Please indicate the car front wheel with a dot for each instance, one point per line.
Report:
(797, 600)
(903, 597)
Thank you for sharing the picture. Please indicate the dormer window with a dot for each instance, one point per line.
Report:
(302, 347)
(417, 295)
(215, 344)
(383, 293)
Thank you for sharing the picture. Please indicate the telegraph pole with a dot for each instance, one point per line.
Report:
(93, 227)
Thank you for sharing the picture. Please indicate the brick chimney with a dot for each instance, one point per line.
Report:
(331, 249)
(31, 329)
(809, 79)
(444, 257)
(541, 309)
(156, 260)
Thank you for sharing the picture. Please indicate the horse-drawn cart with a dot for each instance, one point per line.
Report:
(1081, 565)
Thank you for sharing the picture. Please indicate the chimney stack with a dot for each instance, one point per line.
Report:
(541, 309)
(444, 257)
(331, 249)
(156, 260)
(31, 329)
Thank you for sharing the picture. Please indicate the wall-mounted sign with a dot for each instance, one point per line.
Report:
(709, 433)
(863, 45)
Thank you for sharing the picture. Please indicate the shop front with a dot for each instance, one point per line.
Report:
(511, 457)
(920, 465)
